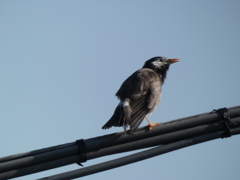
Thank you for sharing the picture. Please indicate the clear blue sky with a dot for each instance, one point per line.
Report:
(61, 62)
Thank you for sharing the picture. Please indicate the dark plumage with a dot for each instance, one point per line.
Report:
(140, 94)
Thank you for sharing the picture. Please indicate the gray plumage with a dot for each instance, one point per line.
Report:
(140, 94)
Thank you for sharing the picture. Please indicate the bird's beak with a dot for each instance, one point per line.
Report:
(170, 61)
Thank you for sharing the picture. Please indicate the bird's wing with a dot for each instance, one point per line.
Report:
(139, 88)
(139, 107)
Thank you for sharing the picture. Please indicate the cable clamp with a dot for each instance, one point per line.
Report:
(82, 151)
(226, 116)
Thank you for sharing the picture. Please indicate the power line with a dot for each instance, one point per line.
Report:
(139, 156)
(165, 133)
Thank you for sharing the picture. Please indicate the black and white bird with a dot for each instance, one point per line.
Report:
(140, 94)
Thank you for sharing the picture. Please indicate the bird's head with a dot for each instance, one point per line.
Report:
(159, 64)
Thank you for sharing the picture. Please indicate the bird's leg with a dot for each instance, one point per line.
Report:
(150, 125)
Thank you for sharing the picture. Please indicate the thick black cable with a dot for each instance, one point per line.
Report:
(160, 139)
(119, 138)
(139, 156)
(170, 126)
(147, 142)
(38, 167)
(38, 159)
(56, 156)
(43, 150)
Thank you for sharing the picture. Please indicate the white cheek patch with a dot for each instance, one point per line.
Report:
(157, 63)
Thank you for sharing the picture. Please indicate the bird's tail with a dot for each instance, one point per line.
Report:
(120, 117)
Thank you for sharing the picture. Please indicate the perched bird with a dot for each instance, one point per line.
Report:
(140, 94)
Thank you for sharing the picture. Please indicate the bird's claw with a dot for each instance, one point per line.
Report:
(152, 125)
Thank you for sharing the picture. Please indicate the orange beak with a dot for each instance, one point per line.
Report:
(170, 61)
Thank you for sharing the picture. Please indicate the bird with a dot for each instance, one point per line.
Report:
(140, 94)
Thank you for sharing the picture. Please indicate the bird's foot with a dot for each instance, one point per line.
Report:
(152, 125)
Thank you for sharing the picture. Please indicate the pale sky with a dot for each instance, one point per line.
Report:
(61, 63)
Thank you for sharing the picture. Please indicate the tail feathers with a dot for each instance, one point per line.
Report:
(120, 117)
